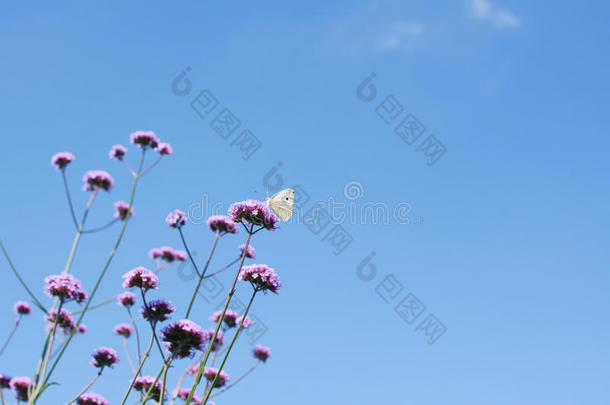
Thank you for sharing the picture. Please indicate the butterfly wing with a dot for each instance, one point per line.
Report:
(281, 203)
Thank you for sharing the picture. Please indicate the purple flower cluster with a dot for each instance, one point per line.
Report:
(221, 224)
(104, 357)
(247, 322)
(97, 179)
(64, 319)
(218, 342)
(164, 149)
(123, 329)
(250, 252)
(262, 277)
(122, 210)
(65, 287)
(143, 384)
(21, 386)
(126, 299)
(183, 338)
(142, 278)
(61, 160)
(253, 212)
(91, 399)
(117, 152)
(230, 318)
(22, 308)
(262, 353)
(168, 254)
(5, 381)
(183, 394)
(210, 374)
(157, 310)
(144, 139)
(176, 219)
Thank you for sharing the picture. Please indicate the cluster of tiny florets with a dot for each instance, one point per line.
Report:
(142, 278)
(21, 386)
(253, 212)
(222, 224)
(262, 277)
(117, 152)
(122, 210)
(183, 394)
(22, 308)
(95, 180)
(91, 398)
(126, 299)
(183, 338)
(104, 357)
(123, 329)
(176, 219)
(250, 252)
(143, 384)
(168, 254)
(262, 353)
(65, 287)
(210, 374)
(64, 319)
(144, 139)
(61, 160)
(157, 310)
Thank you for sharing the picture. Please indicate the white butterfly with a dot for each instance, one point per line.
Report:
(281, 203)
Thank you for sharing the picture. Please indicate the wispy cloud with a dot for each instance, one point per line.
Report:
(500, 18)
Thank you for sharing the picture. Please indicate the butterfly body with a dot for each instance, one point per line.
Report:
(281, 203)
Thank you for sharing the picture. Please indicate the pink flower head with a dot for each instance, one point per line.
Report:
(218, 342)
(97, 179)
(117, 152)
(143, 384)
(183, 338)
(126, 299)
(104, 357)
(230, 318)
(262, 353)
(123, 329)
(82, 329)
(247, 322)
(164, 149)
(142, 278)
(65, 320)
(183, 394)
(222, 224)
(5, 381)
(22, 308)
(157, 310)
(250, 252)
(262, 277)
(144, 139)
(210, 374)
(61, 160)
(91, 399)
(21, 386)
(65, 287)
(167, 254)
(254, 212)
(176, 219)
(122, 210)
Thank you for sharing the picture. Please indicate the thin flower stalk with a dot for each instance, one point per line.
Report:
(99, 373)
(234, 383)
(202, 275)
(139, 370)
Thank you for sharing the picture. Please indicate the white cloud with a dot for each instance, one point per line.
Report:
(500, 18)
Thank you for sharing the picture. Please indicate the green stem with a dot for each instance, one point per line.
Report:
(164, 380)
(79, 231)
(152, 387)
(30, 293)
(146, 354)
(126, 347)
(220, 320)
(104, 269)
(86, 388)
(135, 328)
(94, 306)
(188, 311)
(67, 189)
(223, 269)
(10, 336)
(45, 363)
(224, 360)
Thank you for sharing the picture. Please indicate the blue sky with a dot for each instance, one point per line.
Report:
(507, 238)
